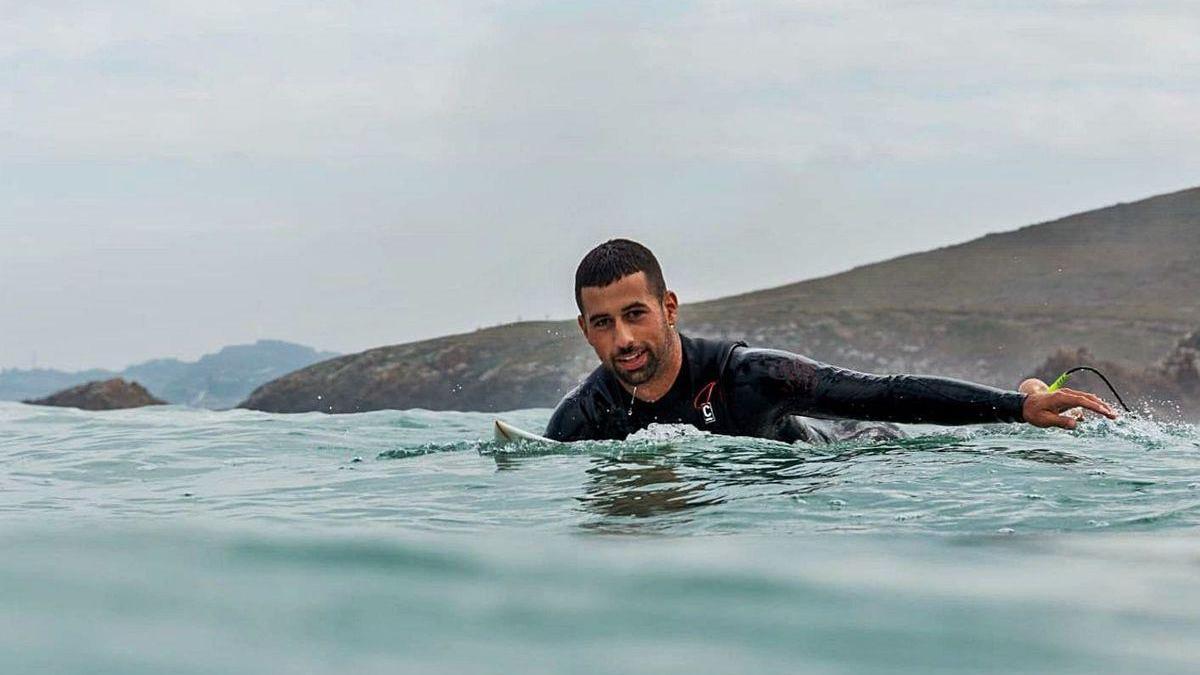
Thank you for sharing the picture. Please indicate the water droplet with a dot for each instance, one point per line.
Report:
(837, 503)
(356, 459)
(1006, 530)
(1097, 523)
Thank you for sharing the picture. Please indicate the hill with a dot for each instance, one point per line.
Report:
(1122, 281)
(218, 380)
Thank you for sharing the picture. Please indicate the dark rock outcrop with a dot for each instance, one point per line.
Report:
(114, 394)
(1123, 280)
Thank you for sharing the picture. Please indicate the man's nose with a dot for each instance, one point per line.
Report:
(624, 335)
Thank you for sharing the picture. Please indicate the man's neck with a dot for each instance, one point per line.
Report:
(664, 379)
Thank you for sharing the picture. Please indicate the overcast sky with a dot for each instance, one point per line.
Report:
(175, 177)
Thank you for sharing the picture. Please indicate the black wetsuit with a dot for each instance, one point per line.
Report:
(728, 388)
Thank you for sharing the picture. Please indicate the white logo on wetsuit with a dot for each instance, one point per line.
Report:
(706, 407)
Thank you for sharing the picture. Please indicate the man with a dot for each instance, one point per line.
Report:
(650, 373)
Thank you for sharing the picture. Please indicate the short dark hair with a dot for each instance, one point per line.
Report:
(613, 260)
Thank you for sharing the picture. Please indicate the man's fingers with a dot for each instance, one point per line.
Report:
(1069, 398)
(1087, 403)
(1099, 407)
(1086, 394)
(1092, 397)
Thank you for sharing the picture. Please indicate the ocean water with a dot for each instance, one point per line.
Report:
(188, 541)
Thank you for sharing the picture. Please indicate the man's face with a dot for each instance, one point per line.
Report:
(629, 326)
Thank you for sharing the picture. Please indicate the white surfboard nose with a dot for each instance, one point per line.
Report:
(505, 433)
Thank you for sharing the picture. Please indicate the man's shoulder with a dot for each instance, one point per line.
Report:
(743, 354)
(762, 363)
(577, 415)
(597, 383)
(708, 355)
(595, 387)
(709, 345)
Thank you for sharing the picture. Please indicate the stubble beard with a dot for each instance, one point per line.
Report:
(641, 375)
(645, 373)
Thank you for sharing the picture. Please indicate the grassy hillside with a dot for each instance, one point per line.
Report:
(1138, 260)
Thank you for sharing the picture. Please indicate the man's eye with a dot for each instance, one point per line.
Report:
(601, 323)
(635, 314)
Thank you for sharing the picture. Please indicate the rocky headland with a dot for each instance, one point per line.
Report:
(1123, 281)
(114, 394)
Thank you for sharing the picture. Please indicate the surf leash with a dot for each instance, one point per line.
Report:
(1062, 380)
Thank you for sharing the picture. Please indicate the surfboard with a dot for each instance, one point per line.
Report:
(506, 433)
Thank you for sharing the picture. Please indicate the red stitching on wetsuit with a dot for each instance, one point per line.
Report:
(707, 393)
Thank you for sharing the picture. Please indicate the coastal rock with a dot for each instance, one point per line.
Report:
(114, 394)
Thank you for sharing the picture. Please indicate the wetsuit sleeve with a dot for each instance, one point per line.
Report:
(569, 422)
(792, 384)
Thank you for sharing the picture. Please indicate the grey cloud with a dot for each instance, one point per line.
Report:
(184, 175)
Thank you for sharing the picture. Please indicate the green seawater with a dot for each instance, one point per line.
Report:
(174, 540)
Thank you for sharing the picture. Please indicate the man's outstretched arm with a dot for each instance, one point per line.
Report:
(792, 384)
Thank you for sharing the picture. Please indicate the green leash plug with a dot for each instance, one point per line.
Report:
(1059, 383)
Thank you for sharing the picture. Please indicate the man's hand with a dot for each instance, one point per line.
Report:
(1044, 410)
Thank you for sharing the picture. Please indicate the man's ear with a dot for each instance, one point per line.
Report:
(671, 305)
(582, 325)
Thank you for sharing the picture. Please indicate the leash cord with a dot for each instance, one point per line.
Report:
(1062, 379)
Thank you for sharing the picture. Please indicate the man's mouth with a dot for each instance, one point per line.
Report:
(632, 361)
